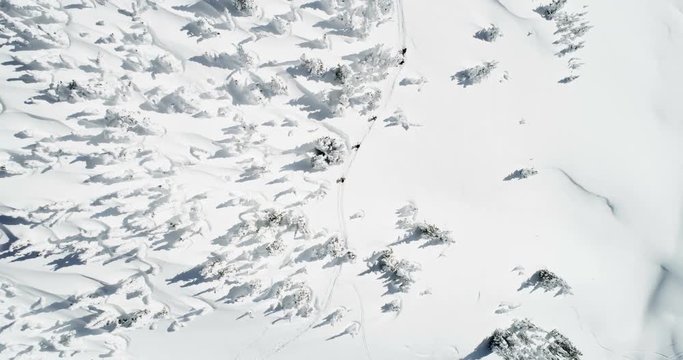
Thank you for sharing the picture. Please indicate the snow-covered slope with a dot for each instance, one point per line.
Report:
(341, 179)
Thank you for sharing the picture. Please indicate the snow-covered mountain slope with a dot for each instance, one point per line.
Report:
(341, 179)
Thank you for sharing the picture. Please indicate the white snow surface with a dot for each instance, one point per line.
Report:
(339, 179)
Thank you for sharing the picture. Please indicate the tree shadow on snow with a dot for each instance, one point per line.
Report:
(315, 109)
(463, 77)
(413, 236)
(481, 351)
(189, 277)
(67, 261)
(336, 336)
(6, 248)
(225, 61)
(334, 27)
(209, 8)
(315, 5)
(299, 165)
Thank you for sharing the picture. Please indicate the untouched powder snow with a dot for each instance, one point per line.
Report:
(341, 179)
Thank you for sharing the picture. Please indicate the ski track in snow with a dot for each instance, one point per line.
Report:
(363, 324)
(341, 216)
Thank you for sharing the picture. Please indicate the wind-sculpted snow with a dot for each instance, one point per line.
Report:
(135, 170)
(207, 177)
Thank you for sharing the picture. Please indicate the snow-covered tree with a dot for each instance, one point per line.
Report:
(276, 86)
(313, 67)
(180, 100)
(399, 118)
(280, 25)
(475, 75)
(359, 21)
(551, 10)
(338, 100)
(489, 34)
(328, 151)
(421, 230)
(548, 281)
(131, 121)
(523, 340)
(201, 29)
(520, 174)
(163, 64)
(392, 306)
(397, 273)
(217, 269)
(433, 233)
(245, 7)
(374, 63)
(70, 92)
(342, 74)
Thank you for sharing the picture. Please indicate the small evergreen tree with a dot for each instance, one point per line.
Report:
(489, 34)
(551, 10)
(328, 151)
(475, 75)
(245, 7)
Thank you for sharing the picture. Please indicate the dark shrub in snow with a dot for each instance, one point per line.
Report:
(568, 79)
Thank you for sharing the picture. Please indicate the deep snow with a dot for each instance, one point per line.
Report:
(340, 179)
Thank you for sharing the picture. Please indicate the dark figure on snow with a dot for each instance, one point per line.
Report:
(403, 56)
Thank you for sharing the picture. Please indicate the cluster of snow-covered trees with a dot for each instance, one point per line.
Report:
(523, 340)
(571, 28)
(357, 19)
(354, 83)
(32, 25)
(110, 90)
(421, 230)
(398, 274)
